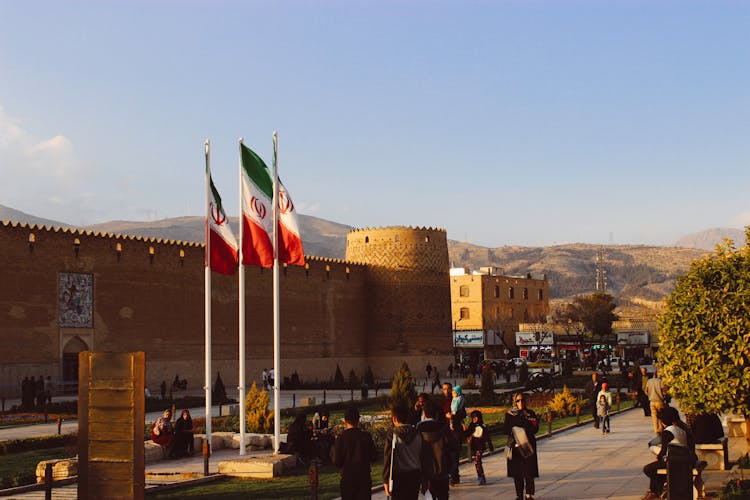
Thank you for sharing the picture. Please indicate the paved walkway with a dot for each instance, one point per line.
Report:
(580, 464)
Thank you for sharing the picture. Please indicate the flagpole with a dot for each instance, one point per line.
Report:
(241, 384)
(276, 332)
(207, 295)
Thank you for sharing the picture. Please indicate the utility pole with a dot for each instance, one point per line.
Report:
(601, 272)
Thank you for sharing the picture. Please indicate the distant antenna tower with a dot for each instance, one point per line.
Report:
(601, 273)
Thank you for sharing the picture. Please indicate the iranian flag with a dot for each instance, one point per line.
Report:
(257, 216)
(222, 245)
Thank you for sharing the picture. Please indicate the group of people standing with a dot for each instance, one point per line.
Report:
(36, 392)
(422, 451)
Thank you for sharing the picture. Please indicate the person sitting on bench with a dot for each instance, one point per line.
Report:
(707, 429)
(675, 433)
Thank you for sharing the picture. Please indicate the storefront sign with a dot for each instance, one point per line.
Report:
(534, 338)
(632, 338)
(468, 338)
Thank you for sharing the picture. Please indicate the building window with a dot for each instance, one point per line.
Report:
(525, 294)
(464, 313)
(511, 293)
(497, 291)
(540, 294)
(463, 291)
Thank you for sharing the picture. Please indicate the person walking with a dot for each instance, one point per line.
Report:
(602, 409)
(591, 390)
(435, 380)
(353, 452)
(655, 391)
(264, 378)
(438, 448)
(521, 424)
(479, 440)
(402, 464)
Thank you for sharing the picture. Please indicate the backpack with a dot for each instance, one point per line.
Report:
(436, 447)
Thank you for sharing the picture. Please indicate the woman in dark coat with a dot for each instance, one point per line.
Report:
(522, 461)
(183, 439)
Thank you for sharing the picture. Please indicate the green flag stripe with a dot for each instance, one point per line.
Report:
(216, 194)
(257, 171)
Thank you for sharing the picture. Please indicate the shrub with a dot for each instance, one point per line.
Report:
(402, 388)
(338, 377)
(369, 377)
(469, 382)
(353, 379)
(219, 394)
(563, 403)
(258, 417)
(38, 443)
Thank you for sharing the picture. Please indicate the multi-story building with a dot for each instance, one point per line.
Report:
(487, 306)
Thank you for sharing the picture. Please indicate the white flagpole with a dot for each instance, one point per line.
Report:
(241, 385)
(276, 332)
(207, 294)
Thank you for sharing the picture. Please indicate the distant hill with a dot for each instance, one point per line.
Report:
(634, 272)
(708, 239)
(637, 275)
(320, 237)
(7, 213)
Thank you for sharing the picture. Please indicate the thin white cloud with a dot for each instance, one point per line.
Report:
(45, 176)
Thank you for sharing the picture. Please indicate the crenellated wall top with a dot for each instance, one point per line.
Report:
(97, 234)
(390, 228)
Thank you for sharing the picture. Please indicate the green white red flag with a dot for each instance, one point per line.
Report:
(257, 216)
(222, 245)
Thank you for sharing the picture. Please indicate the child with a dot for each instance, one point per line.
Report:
(602, 409)
(479, 439)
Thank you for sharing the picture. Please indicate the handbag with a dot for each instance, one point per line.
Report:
(522, 441)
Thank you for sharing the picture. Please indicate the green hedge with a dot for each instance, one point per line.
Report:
(37, 443)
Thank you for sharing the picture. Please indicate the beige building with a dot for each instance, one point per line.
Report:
(487, 306)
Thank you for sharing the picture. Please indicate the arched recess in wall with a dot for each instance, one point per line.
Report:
(70, 359)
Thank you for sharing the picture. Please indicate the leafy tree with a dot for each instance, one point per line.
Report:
(595, 312)
(704, 333)
(402, 387)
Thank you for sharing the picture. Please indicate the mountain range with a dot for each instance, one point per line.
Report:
(637, 275)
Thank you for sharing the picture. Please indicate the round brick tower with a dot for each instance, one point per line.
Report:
(408, 295)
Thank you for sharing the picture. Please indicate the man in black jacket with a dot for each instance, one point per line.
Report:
(592, 390)
(352, 453)
(402, 464)
(438, 446)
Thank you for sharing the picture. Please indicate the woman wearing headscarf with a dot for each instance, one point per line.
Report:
(521, 424)
(162, 431)
(183, 440)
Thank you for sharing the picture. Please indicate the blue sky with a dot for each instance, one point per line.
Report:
(506, 122)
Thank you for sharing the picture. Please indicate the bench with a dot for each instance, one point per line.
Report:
(736, 426)
(699, 490)
(716, 455)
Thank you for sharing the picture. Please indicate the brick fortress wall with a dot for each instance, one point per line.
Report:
(148, 295)
(408, 295)
(154, 302)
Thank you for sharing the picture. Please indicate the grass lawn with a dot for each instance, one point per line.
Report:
(18, 469)
(296, 486)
